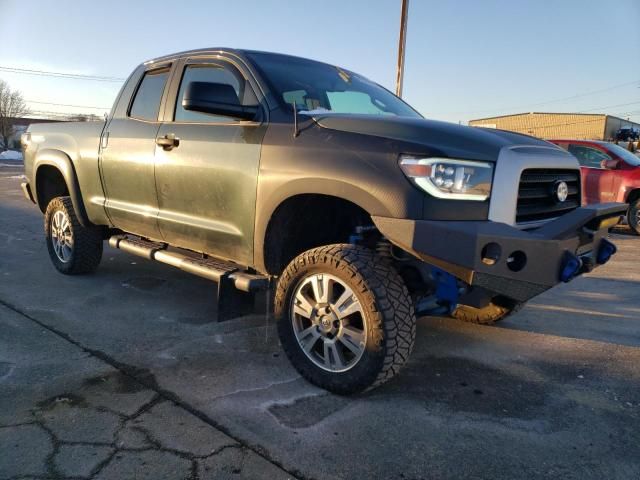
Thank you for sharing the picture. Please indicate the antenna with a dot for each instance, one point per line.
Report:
(295, 119)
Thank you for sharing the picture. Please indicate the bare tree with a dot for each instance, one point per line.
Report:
(12, 106)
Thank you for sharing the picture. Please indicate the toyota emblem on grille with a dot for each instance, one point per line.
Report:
(561, 191)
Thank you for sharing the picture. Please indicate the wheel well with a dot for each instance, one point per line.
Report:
(633, 195)
(307, 221)
(49, 184)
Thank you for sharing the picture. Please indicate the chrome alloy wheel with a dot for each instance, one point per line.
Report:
(328, 322)
(61, 236)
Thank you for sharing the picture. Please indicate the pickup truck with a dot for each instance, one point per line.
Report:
(610, 173)
(268, 172)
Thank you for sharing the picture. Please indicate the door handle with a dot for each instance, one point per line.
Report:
(168, 142)
(104, 141)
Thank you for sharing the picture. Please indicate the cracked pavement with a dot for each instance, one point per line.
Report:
(125, 374)
(94, 421)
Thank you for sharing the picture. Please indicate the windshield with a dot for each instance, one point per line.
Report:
(316, 87)
(624, 154)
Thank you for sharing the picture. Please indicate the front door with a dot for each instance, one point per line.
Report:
(127, 159)
(597, 181)
(207, 181)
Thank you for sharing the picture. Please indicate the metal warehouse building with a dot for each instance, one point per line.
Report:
(582, 126)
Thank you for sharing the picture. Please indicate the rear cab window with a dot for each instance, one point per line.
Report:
(146, 103)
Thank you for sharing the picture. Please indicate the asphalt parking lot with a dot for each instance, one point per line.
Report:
(125, 374)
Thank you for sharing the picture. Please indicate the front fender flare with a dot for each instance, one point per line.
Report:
(305, 186)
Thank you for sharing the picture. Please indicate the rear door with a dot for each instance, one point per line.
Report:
(207, 183)
(597, 181)
(127, 155)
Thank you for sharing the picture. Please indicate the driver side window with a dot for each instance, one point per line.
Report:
(588, 156)
(211, 74)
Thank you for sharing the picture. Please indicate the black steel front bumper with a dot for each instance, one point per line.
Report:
(502, 259)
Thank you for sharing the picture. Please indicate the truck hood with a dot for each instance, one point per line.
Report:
(430, 136)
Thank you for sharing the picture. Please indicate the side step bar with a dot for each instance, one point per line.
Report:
(236, 288)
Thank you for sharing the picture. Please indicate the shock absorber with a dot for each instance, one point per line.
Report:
(443, 294)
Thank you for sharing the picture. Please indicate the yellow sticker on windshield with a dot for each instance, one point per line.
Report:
(344, 75)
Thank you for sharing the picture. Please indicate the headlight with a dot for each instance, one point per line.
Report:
(447, 178)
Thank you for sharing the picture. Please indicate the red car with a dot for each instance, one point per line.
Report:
(610, 173)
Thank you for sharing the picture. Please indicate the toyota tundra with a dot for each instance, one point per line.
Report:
(268, 172)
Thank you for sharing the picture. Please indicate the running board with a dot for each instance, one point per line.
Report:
(236, 288)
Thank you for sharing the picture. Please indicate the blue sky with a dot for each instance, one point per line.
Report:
(465, 58)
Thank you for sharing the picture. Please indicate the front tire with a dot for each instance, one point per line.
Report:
(345, 318)
(73, 249)
(633, 217)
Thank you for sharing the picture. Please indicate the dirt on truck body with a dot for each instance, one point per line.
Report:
(256, 170)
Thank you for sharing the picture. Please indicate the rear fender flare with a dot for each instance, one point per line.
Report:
(63, 164)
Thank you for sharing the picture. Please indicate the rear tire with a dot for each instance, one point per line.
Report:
(633, 216)
(73, 249)
(486, 315)
(331, 295)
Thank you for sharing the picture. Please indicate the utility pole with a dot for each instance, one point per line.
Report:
(401, 45)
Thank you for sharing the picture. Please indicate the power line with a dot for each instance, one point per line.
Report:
(49, 112)
(625, 114)
(586, 94)
(628, 114)
(74, 76)
(557, 100)
(609, 106)
(60, 115)
(605, 107)
(566, 123)
(68, 105)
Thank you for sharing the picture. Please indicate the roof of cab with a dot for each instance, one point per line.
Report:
(236, 51)
(172, 56)
(218, 50)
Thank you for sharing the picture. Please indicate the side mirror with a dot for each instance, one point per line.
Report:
(216, 99)
(610, 164)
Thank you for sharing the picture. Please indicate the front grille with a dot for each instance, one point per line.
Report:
(537, 199)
